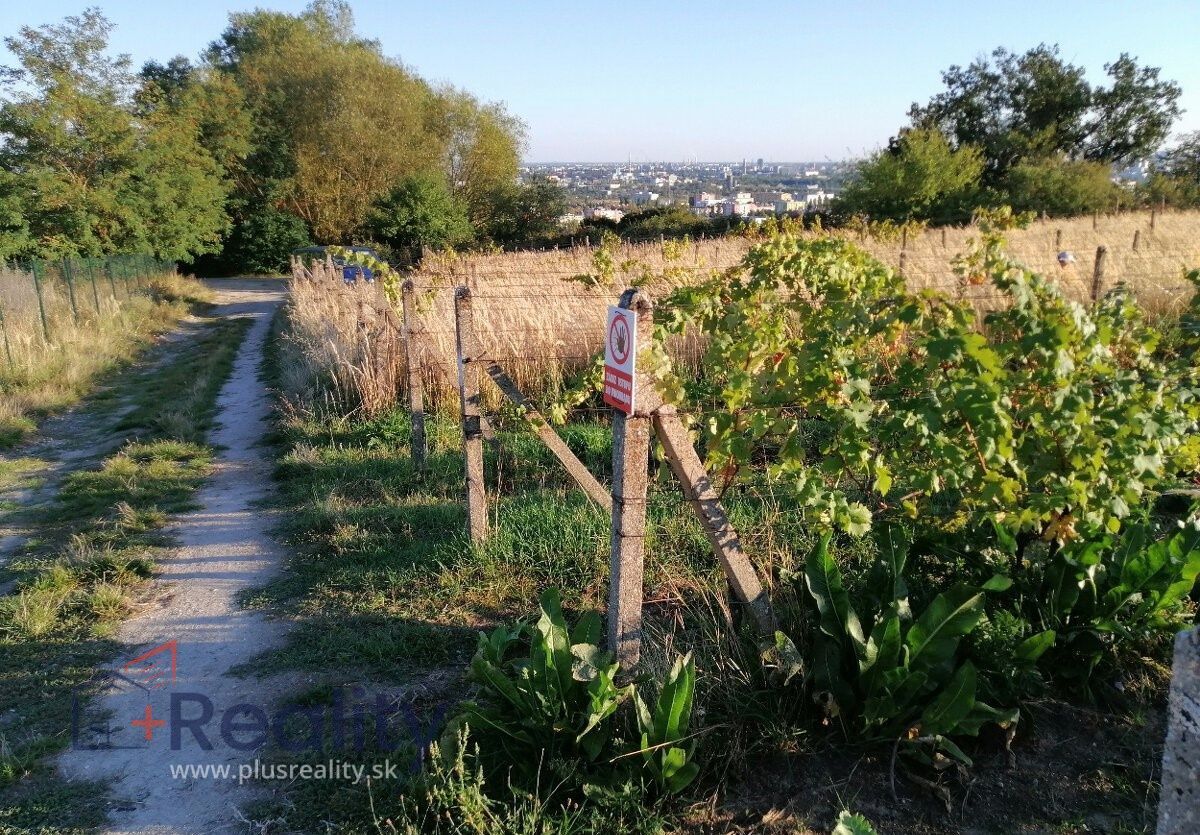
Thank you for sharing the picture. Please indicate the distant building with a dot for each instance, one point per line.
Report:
(603, 213)
(645, 198)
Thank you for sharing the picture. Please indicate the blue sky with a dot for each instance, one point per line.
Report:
(697, 80)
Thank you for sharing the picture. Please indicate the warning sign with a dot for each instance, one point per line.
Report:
(619, 352)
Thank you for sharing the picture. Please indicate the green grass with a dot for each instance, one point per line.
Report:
(386, 590)
(88, 355)
(94, 547)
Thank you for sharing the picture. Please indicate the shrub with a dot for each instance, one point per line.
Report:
(557, 701)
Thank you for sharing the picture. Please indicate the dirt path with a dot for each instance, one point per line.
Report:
(224, 548)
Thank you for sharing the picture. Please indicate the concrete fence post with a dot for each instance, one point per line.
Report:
(468, 395)
(1098, 272)
(631, 464)
(412, 371)
(1179, 800)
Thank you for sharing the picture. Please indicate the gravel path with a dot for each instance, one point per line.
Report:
(224, 548)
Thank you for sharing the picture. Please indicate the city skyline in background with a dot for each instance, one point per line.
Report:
(698, 81)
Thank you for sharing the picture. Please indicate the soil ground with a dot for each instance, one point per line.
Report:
(223, 548)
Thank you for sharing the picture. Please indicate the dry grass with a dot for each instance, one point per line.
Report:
(532, 313)
(108, 324)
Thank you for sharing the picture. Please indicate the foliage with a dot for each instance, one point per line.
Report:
(419, 212)
(560, 702)
(665, 728)
(1176, 176)
(1036, 105)
(91, 168)
(262, 240)
(1092, 597)
(872, 400)
(1061, 187)
(525, 212)
(849, 823)
(919, 177)
(898, 675)
(338, 125)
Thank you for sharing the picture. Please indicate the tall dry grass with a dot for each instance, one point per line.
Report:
(345, 349)
(533, 312)
(45, 368)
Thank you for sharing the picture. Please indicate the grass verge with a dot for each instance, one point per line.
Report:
(89, 568)
(43, 379)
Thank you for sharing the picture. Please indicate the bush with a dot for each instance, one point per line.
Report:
(1061, 187)
(260, 242)
(556, 701)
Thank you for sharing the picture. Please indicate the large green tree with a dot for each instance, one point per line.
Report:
(419, 212)
(337, 125)
(1035, 105)
(90, 170)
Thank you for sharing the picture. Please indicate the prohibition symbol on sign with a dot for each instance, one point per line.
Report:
(619, 350)
(619, 341)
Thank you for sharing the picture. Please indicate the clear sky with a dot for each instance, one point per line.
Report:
(698, 79)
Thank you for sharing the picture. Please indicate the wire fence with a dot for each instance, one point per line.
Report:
(44, 301)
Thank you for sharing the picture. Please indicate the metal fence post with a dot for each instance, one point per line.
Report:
(468, 395)
(37, 286)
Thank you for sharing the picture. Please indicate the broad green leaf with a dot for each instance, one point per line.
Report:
(951, 705)
(950, 616)
(1033, 647)
(852, 824)
(824, 581)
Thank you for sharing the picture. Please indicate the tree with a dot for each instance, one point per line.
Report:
(338, 125)
(419, 212)
(1060, 186)
(1037, 106)
(1176, 177)
(1133, 117)
(262, 240)
(92, 172)
(526, 212)
(482, 151)
(920, 177)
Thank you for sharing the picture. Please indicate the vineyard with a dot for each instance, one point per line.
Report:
(945, 478)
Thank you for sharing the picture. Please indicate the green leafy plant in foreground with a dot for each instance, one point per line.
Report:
(665, 729)
(557, 700)
(560, 701)
(1091, 597)
(900, 677)
(871, 401)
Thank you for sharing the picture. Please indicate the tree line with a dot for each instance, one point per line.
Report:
(289, 129)
(1030, 131)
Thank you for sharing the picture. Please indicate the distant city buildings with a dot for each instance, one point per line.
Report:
(704, 188)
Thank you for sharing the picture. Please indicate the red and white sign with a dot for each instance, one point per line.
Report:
(620, 348)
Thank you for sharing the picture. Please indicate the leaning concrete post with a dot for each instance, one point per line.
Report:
(631, 460)
(416, 397)
(468, 395)
(1179, 801)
